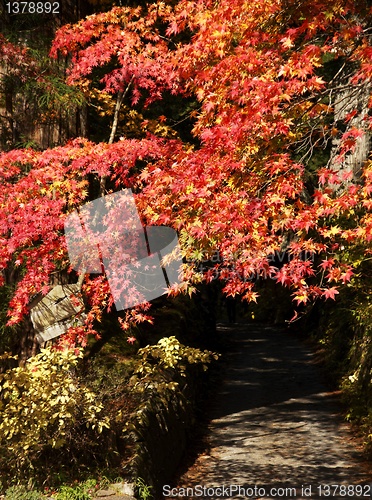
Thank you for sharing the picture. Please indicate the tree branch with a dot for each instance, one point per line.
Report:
(119, 101)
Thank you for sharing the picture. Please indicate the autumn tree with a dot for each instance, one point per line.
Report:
(255, 182)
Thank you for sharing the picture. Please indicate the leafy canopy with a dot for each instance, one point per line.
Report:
(259, 71)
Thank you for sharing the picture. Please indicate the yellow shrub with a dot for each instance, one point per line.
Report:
(42, 402)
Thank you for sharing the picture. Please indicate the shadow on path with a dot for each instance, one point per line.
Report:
(274, 423)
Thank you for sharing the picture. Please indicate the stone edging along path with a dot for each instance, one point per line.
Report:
(276, 428)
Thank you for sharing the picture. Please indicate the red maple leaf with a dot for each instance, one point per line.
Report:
(330, 293)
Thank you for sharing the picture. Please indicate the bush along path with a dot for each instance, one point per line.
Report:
(276, 428)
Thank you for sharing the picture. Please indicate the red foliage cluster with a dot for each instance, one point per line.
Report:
(255, 67)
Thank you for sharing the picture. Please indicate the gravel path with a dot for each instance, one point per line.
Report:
(276, 429)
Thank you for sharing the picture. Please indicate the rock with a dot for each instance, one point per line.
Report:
(123, 488)
(119, 497)
(105, 493)
(116, 491)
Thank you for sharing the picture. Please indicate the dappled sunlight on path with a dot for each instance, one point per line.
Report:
(275, 423)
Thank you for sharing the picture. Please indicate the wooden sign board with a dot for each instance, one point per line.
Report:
(56, 313)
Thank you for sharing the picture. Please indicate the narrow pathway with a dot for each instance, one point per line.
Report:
(276, 429)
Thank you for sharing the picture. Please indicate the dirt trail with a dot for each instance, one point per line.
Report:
(275, 426)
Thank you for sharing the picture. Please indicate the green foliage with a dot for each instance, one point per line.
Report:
(168, 380)
(19, 492)
(143, 489)
(160, 364)
(81, 491)
(42, 405)
(160, 380)
(357, 382)
(344, 333)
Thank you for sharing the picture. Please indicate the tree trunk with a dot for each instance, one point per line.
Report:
(115, 122)
(346, 101)
(9, 114)
(28, 344)
(82, 122)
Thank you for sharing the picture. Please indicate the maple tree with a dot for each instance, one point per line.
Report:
(263, 73)
(38, 190)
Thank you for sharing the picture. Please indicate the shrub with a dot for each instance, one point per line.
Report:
(22, 493)
(42, 404)
(162, 366)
